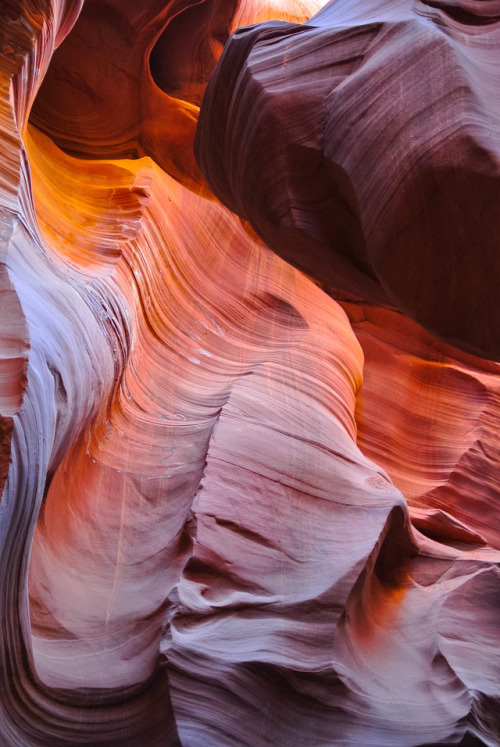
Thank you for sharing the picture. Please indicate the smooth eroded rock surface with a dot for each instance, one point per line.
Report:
(242, 506)
(363, 147)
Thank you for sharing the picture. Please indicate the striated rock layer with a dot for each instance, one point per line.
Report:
(371, 157)
(237, 511)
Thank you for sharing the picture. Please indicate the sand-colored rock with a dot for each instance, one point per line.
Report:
(242, 507)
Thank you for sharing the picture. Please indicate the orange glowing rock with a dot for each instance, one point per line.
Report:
(236, 510)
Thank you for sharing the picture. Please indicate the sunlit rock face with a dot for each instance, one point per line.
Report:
(242, 506)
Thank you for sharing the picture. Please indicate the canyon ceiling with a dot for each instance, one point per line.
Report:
(249, 373)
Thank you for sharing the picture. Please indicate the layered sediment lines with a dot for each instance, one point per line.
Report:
(428, 414)
(236, 510)
(364, 166)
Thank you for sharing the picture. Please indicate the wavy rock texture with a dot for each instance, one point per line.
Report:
(237, 511)
(360, 168)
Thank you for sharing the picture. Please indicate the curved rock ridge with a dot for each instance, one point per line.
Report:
(428, 414)
(361, 170)
(13, 331)
(46, 310)
(206, 526)
(180, 346)
(154, 66)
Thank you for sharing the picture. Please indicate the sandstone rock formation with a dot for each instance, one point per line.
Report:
(242, 506)
(371, 157)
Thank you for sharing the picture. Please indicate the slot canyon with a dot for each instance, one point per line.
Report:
(249, 373)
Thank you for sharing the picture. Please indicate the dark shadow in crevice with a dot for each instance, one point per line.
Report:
(187, 51)
(465, 17)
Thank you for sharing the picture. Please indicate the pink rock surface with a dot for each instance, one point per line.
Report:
(236, 510)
